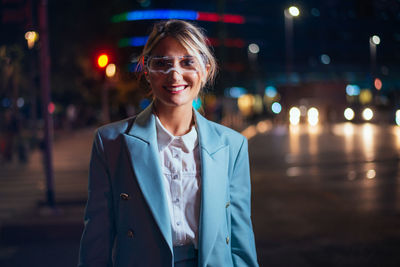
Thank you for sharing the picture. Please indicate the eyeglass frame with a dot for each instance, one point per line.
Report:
(180, 70)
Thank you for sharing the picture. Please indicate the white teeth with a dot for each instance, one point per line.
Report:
(176, 89)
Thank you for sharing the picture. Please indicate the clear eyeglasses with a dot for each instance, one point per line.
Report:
(180, 64)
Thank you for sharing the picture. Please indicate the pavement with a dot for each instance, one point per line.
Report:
(32, 232)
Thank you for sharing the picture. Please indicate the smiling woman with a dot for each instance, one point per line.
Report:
(175, 79)
(168, 187)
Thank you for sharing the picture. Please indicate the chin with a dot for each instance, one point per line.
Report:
(175, 102)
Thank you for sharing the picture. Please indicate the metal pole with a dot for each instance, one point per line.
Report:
(372, 50)
(104, 102)
(288, 42)
(222, 34)
(45, 85)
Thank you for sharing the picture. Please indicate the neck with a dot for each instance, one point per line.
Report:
(177, 120)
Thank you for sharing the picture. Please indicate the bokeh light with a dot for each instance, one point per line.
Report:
(111, 70)
(102, 60)
(378, 83)
(376, 40)
(349, 114)
(398, 117)
(294, 112)
(51, 108)
(254, 48)
(312, 116)
(235, 92)
(352, 89)
(263, 126)
(371, 174)
(6, 102)
(294, 115)
(31, 37)
(270, 91)
(367, 114)
(294, 11)
(365, 96)
(20, 102)
(276, 108)
(246, 103)
(325, 59)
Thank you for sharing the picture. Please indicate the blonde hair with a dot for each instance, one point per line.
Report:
(190, 36)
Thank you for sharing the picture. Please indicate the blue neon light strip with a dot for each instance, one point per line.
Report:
(177, 14)
(161, 14)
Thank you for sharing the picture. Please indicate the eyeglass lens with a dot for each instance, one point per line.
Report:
(167, 64)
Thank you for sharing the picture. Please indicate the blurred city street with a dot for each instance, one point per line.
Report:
(313, 85)
(326, 195)
(31, 233)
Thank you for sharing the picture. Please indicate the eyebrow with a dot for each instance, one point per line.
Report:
(167, 57)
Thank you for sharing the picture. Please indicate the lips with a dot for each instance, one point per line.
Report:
(175, 88)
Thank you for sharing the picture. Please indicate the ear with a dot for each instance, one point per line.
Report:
(204, 79)
(208, 66)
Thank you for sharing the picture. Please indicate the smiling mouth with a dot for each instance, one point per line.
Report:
(175, 89)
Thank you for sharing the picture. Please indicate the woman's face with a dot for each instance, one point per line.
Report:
(174, 74)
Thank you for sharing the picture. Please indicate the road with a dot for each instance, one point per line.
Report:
(327, 196)
(322, 196)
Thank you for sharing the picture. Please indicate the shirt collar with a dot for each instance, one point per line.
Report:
(164, 138)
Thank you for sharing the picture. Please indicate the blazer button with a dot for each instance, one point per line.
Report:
(124, 196)
(227, 240)
(130, 233)
(227, 204)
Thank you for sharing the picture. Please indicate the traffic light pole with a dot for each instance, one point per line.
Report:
(45, 86)
(104, 102)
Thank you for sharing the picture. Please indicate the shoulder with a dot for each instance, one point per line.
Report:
(214, 136)
(226, 133)
(114, 129)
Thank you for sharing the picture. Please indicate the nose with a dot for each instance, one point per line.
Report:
(174, 74)
(175, 67)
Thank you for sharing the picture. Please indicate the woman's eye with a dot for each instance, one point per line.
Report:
(188, 62)
(159, 63)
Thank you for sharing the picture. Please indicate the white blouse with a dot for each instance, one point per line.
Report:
(180, 160)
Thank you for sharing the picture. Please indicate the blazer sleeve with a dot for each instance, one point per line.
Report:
(99, 232)
(242, 236)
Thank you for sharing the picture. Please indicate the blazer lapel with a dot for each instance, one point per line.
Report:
(214, 172)
(141, 141)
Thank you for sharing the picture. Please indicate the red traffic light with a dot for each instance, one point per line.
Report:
(102, 60)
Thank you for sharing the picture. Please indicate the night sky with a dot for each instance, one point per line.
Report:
(333, 28)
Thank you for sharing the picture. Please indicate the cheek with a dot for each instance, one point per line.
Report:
(153, 80)
(202, 78)
(194, 79)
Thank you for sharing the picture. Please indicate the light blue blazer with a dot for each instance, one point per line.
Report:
(126, 218)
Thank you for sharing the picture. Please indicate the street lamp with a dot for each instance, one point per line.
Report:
(374, 41)
(294, 11)
(252, 52)
(289, 13)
